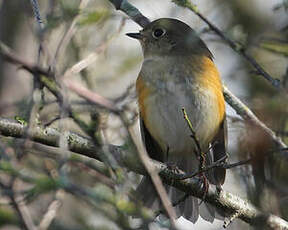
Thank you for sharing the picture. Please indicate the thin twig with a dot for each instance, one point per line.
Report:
(199, 151)
(92, 97)
(67, 35)
(51, 212)
(250, 117)
(217, 164)
(13, 58)
(20, 207)
(235, 46)
(239, 163)
(36, 11)
(92, 57)
(143, 155)
(130, 10)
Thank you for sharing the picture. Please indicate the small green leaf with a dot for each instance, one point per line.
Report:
(279, 47)
(20, 120)
(94, 17)
(7, 216)
(42, 185)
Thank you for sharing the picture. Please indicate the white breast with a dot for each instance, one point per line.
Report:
(168, 126)
(164, 116)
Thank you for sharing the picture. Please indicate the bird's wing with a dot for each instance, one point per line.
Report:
(219, 151)
(152, 147)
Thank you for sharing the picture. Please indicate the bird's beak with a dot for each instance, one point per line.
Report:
(137, 36)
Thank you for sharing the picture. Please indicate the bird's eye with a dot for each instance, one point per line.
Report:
(157, 33)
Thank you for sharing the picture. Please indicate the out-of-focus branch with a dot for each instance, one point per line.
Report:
(51, 212)
(226, 201)
(153, 173)
(68, 35)
(249, 116)
(90, 96)
(92, 57)
(11, 57)
(131, 11)
(20, 207)
(235, 46)
(142, 153)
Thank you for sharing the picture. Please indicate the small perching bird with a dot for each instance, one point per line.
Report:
(178, 72)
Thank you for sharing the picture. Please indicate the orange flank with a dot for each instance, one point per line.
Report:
(210, 80)
(143, 92)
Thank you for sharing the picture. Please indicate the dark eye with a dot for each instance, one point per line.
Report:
(157, 33)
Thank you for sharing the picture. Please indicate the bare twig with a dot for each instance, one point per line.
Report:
(221, 163)
(130, 10)
(162, 194)
(92, 97)
(51, 212)
(239, 163)
(216, 164)
(250, 117)
(235, 46)
(15, 59)
(20, 207)
(199, 151)
(143, 155)
(92, 57)
(68, 35)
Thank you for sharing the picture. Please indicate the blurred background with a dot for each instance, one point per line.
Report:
(75, 29)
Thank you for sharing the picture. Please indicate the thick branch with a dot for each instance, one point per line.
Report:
(131, 11)
(226, 201)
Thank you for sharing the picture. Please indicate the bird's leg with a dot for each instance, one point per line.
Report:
(202, 164)
(205, 186)
(170, 164)
(167, 153)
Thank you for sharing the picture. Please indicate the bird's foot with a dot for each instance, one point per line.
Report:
(172, 166)
(205, 186)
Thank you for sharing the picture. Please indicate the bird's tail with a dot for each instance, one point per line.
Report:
(189, 208)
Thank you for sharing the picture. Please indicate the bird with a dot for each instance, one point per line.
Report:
(177, 72)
